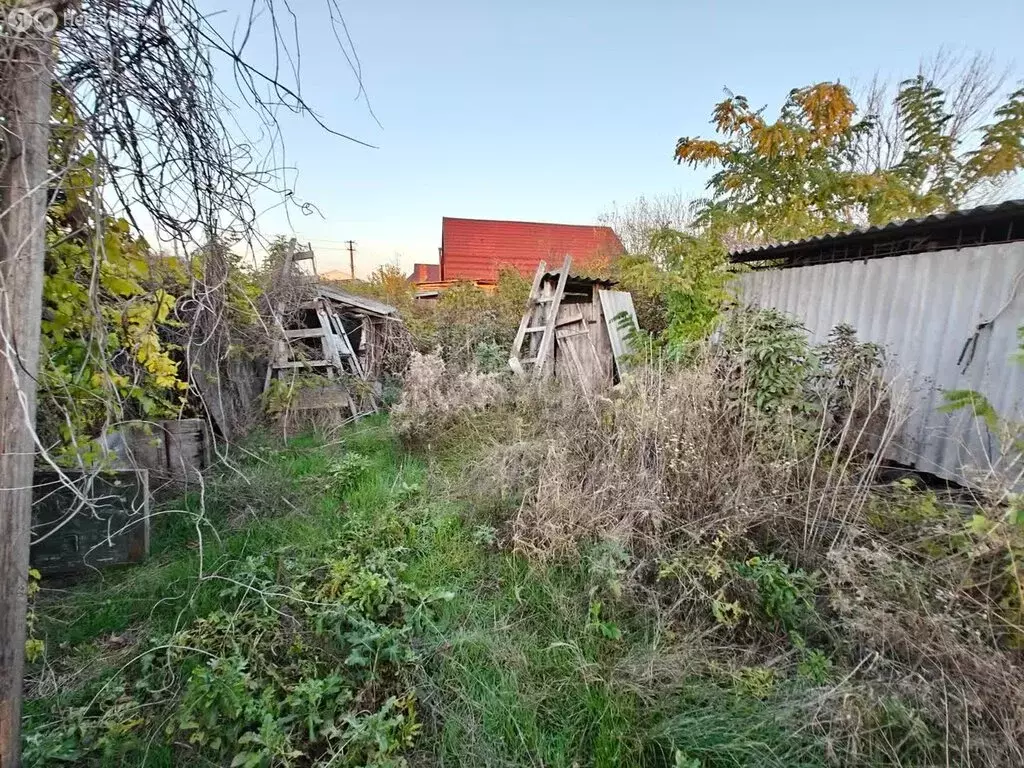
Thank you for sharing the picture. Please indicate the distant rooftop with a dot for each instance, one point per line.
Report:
(425, 273)
(476, 249)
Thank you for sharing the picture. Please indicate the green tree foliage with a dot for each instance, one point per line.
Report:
(679, 284)
(105, 297)
(696, 287)
(803, 174)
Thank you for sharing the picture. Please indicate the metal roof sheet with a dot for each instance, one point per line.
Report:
(964, 216)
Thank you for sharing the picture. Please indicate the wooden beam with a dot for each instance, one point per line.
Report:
(23, 187)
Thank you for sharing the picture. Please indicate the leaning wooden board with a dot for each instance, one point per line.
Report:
(614, 303)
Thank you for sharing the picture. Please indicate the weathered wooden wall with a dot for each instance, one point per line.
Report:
(583, 352)
(173, 451)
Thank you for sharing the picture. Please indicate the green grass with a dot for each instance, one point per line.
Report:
(513, 668)
(518, 676)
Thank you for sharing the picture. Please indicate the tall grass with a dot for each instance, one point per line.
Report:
(670, 574)
(868, 613)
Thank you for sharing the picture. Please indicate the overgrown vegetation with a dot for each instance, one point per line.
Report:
(736, 504)
(119, 316)
(276, 625)
(702, 568)
(469, 326)
(101, 347)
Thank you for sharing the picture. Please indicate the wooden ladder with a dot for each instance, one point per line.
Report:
(539, 322)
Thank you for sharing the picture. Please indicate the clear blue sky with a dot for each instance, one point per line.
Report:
(550, 110)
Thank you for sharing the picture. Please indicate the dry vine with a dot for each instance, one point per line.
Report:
(158, 94)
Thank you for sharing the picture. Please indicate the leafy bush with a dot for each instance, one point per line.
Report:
(310, 661)
(742, 487)
(303, 653)
(772, 357)
(786, 594)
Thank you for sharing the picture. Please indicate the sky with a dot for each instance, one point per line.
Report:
(554, 110)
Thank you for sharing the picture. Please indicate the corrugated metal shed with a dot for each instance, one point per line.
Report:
(947, 319)
(476, 249)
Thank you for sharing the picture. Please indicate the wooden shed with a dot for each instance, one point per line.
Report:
(572, 329)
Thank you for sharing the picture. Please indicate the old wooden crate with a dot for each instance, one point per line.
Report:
(102, 520)
(175, 451)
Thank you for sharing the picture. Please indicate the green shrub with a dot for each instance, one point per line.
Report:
(786, 594)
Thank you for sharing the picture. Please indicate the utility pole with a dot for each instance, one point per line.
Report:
(351, 258)
(27, 72)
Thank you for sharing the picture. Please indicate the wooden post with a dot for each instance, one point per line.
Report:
(25, 113)
(351, 259)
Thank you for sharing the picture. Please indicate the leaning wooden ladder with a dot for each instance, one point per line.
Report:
(539, 322)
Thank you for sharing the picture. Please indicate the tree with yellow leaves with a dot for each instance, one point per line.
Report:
(806, 173)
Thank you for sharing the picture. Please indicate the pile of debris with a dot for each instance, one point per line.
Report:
(337, 337)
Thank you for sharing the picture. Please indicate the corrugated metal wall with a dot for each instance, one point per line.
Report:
(925, 310)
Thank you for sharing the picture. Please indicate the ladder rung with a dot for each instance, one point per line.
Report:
(544, 299)
(536, 329)
(304, 333)
(303, 364)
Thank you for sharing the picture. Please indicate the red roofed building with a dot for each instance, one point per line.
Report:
(425, 273)
(476, 249)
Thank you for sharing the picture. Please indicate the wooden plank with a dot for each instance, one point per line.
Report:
(303, 364)
(568, 333)
(614, 303)
(378, 308)
(580, 362)
(569, 314)
(304, 333)
(580, 359)
(328, 338)
(188, 449)
(547, 341)
(332, 394)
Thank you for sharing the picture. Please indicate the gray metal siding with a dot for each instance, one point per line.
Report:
(922, 308)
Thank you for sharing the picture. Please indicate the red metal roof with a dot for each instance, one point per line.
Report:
(425, 273)
(475, 249)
